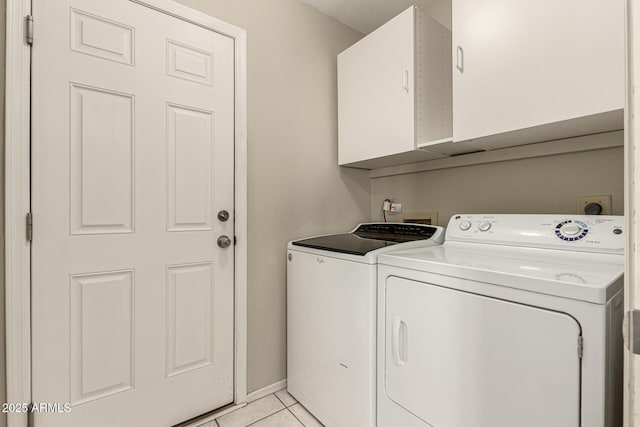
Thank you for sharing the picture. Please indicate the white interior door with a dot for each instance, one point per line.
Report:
(456, 359)
(132, 158)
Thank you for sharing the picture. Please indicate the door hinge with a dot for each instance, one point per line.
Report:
(30, 420)
(631, 331)
(580, 346)
(29, 30)
(29, 227)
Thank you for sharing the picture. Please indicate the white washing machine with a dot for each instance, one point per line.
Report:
(331, 318)
(515, 321)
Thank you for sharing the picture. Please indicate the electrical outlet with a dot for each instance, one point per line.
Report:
(604, 201)
(396, 207)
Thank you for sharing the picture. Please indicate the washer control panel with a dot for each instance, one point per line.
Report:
(468, 225)
(588, 233)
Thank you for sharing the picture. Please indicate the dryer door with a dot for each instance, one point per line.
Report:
(456, 359)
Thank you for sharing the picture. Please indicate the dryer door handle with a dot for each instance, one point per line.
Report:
(399, 341)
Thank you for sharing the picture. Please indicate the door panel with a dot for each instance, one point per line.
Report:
(100, 37)
(189, 63)
(189, 317)
(132, 156)
(101, 335)
(190, 163)
(455, 359)
(101, 144)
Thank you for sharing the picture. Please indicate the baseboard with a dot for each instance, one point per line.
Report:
(266, 391)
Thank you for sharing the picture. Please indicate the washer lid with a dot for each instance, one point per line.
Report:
(590, 277)
(370, 237)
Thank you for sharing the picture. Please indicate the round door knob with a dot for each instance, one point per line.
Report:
(223, 215)
(224, 241)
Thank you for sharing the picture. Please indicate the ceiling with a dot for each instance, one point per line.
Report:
(367, 15)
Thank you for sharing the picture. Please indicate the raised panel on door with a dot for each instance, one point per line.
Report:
(456, 359)
(189, 63)
(190, 168)
(101, 37)
(376, 93)
(190, 337)
(102, 335)
(132, 156)
(530, 63)
(101, 145)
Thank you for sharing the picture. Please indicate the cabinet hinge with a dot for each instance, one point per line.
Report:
(29, 227)
(29, 30)
(580, 346)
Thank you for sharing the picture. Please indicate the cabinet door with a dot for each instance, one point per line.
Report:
(521, 64)
(456, 359)
(376, 93)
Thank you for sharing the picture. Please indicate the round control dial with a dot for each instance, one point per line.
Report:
(571, 230)
(465, 225)
(484, 226)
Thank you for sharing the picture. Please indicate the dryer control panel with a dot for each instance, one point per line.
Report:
(572, 230)
(586, 233)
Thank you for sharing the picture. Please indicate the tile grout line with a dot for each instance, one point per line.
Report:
(281, 401)
(294, 416)
(288, 408)
(277, 412)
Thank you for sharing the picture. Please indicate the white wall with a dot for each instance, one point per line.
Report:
(536, 185)
(296, 188)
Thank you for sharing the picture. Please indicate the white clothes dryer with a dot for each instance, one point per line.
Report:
(515, 321)
(331, 318)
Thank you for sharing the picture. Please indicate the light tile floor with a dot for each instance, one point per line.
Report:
(275, 410)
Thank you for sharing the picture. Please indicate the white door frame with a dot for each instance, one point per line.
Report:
(632, 203)
(18, 195)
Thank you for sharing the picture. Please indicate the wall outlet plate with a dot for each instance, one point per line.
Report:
(396, 207)
(604, 201)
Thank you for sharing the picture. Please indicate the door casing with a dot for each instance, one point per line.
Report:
(631, 204)
(18, 196)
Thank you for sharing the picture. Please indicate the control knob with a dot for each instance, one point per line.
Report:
(484, 226)
(571, 229)
(465, 225)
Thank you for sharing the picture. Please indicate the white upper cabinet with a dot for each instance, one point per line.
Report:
(394, 93)
(534, 70)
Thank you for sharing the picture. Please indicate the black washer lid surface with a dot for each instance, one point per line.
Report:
(369, 237)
